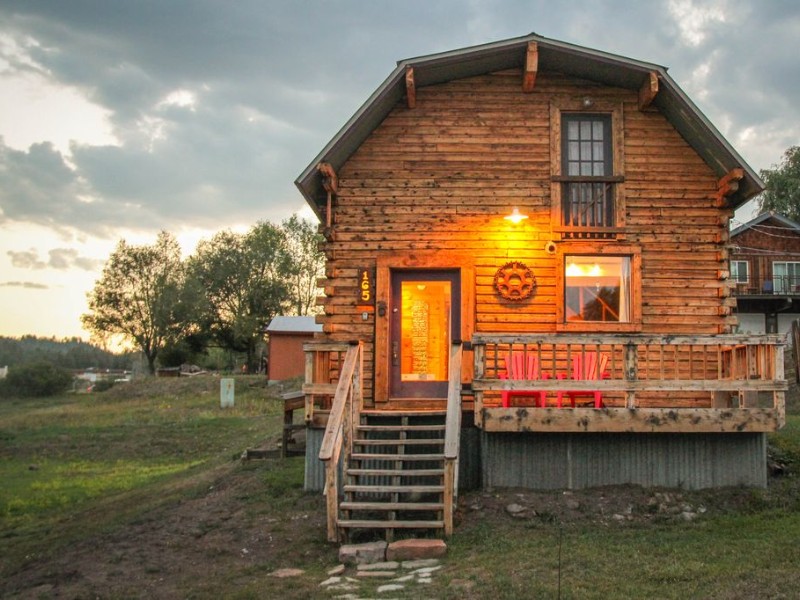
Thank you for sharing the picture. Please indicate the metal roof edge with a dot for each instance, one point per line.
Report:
(764, 217)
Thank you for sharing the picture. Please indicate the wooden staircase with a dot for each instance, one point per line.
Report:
(395, 475)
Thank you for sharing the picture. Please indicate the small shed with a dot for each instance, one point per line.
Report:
(286, 338)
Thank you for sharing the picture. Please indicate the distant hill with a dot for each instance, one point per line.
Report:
(71, 353)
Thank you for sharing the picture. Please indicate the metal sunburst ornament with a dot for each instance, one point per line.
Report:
(514, 281)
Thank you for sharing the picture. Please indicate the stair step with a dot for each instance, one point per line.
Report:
(400, 489)
(391, 506)
(398, 472)
(375, 524)
(400, 427)
(398, 442)
(396, 457)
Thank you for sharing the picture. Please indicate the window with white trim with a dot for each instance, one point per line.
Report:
(740, 271)
(785, 277)
(597, 288)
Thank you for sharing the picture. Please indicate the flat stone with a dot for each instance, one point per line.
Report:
(426, 571)
(359, 554)
(390, 587)
(515, 509)
(379, 566)
(330, 581)
(422, 562)
(337, 570)
(281, 573)
(404, 578)
(376, 573)
(415, 549)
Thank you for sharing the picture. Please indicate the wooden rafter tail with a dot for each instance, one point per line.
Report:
(531, 67)
(728, 185)
(330, 181)
(411, 88)
(649, 90)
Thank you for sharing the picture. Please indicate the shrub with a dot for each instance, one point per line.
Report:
(101, 385)
(36, 379)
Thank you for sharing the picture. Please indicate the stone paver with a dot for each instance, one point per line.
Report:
(415, 549)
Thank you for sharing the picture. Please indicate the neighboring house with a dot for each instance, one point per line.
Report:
(765, 271)
(286, 338)
(536, 203)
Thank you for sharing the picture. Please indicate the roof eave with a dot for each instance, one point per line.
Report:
(574, 60)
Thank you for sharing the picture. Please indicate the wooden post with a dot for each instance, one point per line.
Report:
(447, 497)
(309, 379)
(631, 354)
(480, 373)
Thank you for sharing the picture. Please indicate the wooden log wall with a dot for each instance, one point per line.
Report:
(441, 176)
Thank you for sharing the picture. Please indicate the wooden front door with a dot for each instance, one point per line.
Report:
(425, 319)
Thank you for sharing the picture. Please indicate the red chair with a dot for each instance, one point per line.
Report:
(518, 368)
(586, 366)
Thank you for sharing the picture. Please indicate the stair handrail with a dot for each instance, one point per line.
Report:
(452, 437)
(338, 432)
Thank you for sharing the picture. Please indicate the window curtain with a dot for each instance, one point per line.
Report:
(625, 290)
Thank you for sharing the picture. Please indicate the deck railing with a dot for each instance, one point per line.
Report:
(337, 443)
(452, 437)
(689, 379)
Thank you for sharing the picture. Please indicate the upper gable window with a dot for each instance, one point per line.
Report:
(586, 164)
(587, 196)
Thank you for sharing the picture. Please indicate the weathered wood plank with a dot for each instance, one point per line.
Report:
(625, 420)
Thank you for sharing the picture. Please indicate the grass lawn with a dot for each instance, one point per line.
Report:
(139, 492)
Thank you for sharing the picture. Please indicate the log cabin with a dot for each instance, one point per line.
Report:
(765, 272)
(528, 285)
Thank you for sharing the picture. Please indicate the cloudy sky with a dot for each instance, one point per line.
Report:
(122, 117)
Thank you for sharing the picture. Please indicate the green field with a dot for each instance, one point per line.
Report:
(139, 492)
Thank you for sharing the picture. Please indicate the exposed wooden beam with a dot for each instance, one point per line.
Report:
(531, 67)
(411, 88)
(648, 91)
(730, 182)
(728, 185)
(330, 181)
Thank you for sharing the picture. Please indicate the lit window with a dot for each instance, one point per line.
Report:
(597, 288)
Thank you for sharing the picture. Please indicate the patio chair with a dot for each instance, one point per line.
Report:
(517, 368)
(586, 366)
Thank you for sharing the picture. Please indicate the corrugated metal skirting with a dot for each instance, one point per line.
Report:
(469, 464)
(574, 461)
(314, 479)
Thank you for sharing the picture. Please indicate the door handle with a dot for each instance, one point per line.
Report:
(395, 354)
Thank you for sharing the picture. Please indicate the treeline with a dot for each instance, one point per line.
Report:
(71, 353)
(177, 309)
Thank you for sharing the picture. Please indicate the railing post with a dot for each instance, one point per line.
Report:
(779, 397)
(309, 378)
(452, 438)
(629, 367)
(479, 352)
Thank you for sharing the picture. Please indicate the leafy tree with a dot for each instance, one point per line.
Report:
(306, 263)
(141, 296)
(782, 193)
(243, 279)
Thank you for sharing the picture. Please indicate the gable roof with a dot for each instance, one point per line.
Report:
(767, 216)
(570, 59)
(284, 324)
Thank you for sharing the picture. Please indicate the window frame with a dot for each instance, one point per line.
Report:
(590, 250)
(559, 108)
(735, 274)
(783, 288)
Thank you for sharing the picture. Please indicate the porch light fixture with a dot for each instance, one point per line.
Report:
(515, 216)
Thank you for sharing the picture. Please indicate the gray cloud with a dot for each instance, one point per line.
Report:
(25, 284)
(274, 81)
(59, 258)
